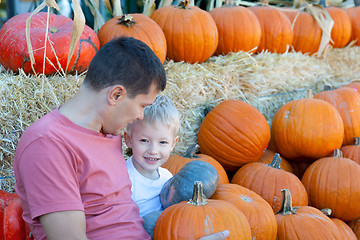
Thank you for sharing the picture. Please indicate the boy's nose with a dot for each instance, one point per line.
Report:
(153, 149)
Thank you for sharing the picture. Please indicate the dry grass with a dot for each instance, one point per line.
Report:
(266, 81)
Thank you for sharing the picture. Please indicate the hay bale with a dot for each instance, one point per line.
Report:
(266, 81)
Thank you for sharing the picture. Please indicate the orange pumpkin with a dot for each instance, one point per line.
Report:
(199, 217)
(307, 32)
(344, 229)
(238, 27)
(276, 32)
(234, 133)
(176, 162)
(341, 31)
(347, 101)
(268, 156)
(257, 211)
(354, 84)
(267, 180)
(304, 222)
(352, 151)
(333, 182)
(190, 32)
(355, 226)
(297, 133)
(354, 15)
(138, 26)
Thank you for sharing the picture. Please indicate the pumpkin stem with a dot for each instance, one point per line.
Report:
(309, 93)
(326, 211)
(126, 20)
(198, 195)
(229, 3)
(338, 153)
(191, 151)
(286, 206)
(184, 4)
(275, 163)
(357, 141)
(53, 30)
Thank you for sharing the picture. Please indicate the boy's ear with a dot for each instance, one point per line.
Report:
(127, 138)
(176, 140)
(116, 93)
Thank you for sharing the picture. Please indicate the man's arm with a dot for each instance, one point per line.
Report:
(69, 225)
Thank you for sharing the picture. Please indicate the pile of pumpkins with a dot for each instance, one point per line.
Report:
(298, 179)
(181, 33)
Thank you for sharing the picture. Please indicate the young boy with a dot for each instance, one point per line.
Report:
(151, 139)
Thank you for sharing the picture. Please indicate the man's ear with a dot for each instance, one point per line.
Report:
(116, 93)
(127, 139)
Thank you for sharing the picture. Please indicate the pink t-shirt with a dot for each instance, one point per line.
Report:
(61, 166)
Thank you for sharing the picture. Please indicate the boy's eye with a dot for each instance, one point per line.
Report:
(143, 140)
(163, 142)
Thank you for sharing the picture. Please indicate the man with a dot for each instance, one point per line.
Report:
(70, 172)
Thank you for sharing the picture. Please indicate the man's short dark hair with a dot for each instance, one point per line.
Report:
(128, 62)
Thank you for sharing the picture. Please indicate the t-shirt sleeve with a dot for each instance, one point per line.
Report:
(49, 173)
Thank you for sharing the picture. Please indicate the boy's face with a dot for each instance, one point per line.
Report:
(151, 146)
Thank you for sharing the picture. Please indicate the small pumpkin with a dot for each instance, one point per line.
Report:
(238, 27)
(201, 217)
(341, 31)
(333, 182)
(150, 221)
(297, 134)
(276, 32)
(14, 53)
(303, 222)
(12, 225)
(176, 162)
(234, 133)
(352, 151)
(268, 157)
(138, 26)
(347, 101)
(354, 15)
(307, 32)
(191, 33)
(344, 229)
(180, 186)
(257, 211)
(267, 180)
(355, 226)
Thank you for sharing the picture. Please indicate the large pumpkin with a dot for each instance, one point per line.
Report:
(333, 182)
(307, 32)
(304, 222)
(276, 32)
(354, 15)
(12, 225)
(267, 180)
(190, 32)
(138, 26)
(347, 101)
(307, 128)
(14, 53)
(257, 211)
(199, 217)
(341, 31)
(180, 186)
(234, 133)
(176, 162)
(238, 27)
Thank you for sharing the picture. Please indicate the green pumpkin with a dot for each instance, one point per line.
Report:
(150, 221)
(180, 187)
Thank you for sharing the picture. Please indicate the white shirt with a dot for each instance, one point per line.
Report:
(146, 192)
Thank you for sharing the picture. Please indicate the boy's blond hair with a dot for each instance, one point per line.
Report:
(162, 111)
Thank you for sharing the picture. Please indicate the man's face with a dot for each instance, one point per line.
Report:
(127, 110)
